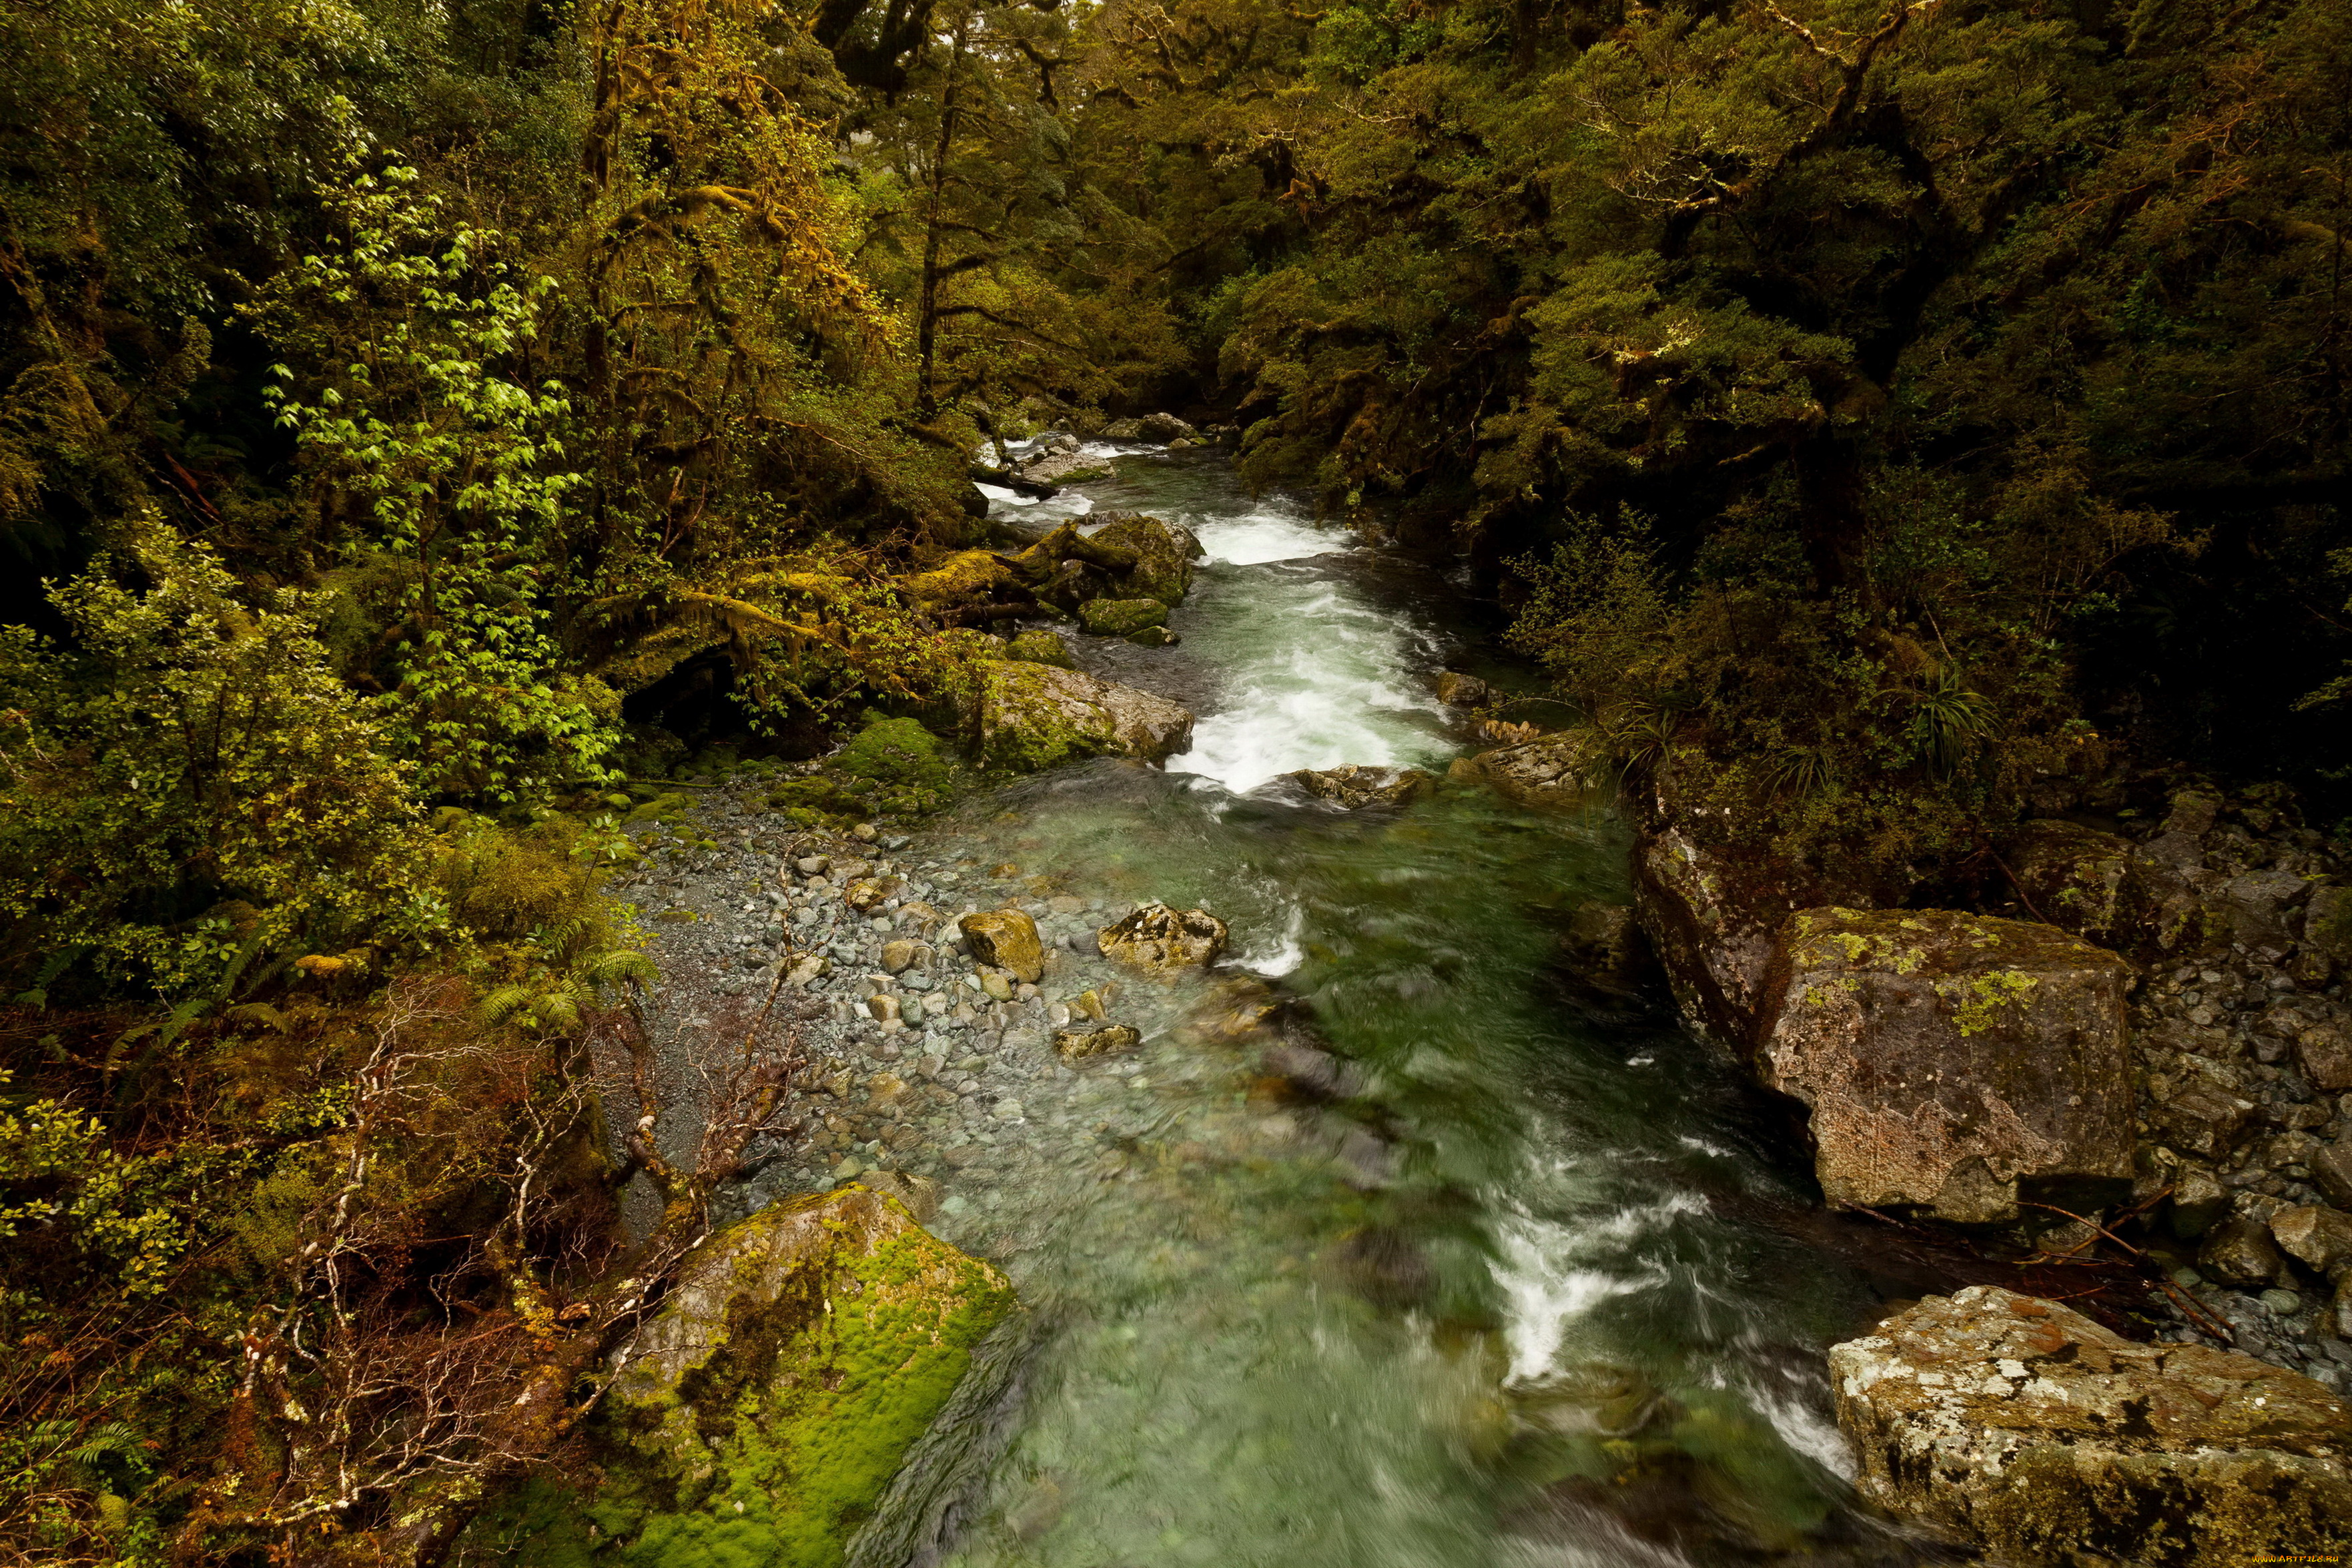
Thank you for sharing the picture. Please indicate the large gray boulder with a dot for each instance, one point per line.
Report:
(2024, 1427)
(1354, 788)
(1945, 1057)
(1032, 716)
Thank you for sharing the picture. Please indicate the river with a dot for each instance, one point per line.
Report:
(1533, 1296)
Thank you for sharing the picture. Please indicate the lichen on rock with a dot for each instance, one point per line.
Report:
(1946, 1056)
(1033, 716)
(2023, 1427)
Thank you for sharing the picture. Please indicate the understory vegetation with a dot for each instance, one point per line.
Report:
(422, 426)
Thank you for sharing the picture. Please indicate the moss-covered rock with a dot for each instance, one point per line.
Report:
(759, 1417)
(899, 752)
(1947, 1057)
(1042, 645)
(1033, 716)
(1164, 554)
(2024, 1426)
(1120, 618)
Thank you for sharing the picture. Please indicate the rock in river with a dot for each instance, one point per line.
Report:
(1564, 770)
(1006, 939)
(759, 1415)
(1947, 1057)
(1353, 788)
(1162, 941)
(1164, 554)
(2024, 1426)
(1032, 716)
(1120, 618)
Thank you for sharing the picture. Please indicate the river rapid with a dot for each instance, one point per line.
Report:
(1531, 1291)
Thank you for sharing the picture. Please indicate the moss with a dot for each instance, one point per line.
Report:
(1120, 618)
(1042, 647)
(774, 1449)
(1028, 732)
(899, 752)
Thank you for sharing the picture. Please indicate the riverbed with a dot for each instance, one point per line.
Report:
(1525, 1284)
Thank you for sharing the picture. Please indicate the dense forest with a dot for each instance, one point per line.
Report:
(417, 422)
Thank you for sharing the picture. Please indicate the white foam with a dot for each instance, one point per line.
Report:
(1267, 533)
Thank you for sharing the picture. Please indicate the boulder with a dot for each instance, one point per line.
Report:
(761, 1413)
(1562, 772)
(2324, 1050)
(1120, 618)
(2239, 1251)
(1162, 427)
(1042, 645)
(2024, 1427)
(1714, 912)
(2318, 1237)
(2327, 922)
(2074, 877)
(1032, 716)
(2331, 1171)
(1006, 939)
(1456, 689)
(1154, 637)
(1947, 1057)
(2254, 910)
(1352, 788)
(1123, 430)
(1164, 554)
(1162, 941)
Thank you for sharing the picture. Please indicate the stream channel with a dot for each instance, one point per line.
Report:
(1531, 1289)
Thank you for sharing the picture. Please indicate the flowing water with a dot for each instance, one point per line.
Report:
(1532, 1293)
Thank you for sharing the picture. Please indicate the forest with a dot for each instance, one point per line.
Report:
(421, 422)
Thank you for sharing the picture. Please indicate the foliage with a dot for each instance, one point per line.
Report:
(192, 795)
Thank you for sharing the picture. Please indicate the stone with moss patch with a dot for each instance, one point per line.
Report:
(1032, 716)
(1947, 1058)
(1042, 645)
(1164, 554)
(757, 1420)
(1120, 618)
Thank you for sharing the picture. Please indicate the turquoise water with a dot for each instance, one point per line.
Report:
(1535, 1294)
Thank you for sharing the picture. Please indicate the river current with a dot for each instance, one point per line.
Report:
(1535, 1292)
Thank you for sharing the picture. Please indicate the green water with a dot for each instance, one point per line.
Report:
(1531, 1297)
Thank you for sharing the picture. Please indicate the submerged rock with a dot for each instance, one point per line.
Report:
(1007, 939)
(1946, 1056)
(1353, 788)
(1562, 772)
(760, 1414)
(1605, 951)
(1073, 1044)
(2023, 1427)
(1033, 716)
(1162, 941)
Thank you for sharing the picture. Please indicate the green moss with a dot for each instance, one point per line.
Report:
(1028, 731)
(1042, 647)
(898, 751)
(1120, 618)
(773, 1451)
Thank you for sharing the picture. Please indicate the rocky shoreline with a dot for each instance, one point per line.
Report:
(2131, 1050)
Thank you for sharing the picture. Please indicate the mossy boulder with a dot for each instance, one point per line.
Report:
(1164, 554)
(1120, 618)
(758, 1418)
(1947, 1058)
(1033, 716)
(2022, 1426)
(1564, 772)
(898, 752)
(1354, 788)
(1042, 645)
